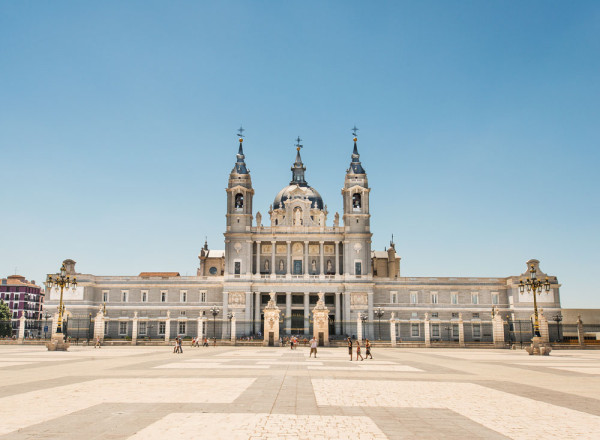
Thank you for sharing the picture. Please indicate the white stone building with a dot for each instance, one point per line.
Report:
(300, 253)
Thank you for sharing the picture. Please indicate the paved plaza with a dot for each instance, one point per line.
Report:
(276, 393)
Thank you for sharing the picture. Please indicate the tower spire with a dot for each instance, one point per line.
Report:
(355, 165)
(298, 168)
(240, 165)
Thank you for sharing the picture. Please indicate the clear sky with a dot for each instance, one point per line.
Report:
(479, 129)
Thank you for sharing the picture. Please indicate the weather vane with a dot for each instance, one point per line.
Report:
(298, 146)
(241, 131)
(354, 130)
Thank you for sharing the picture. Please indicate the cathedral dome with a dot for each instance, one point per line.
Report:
(298, 192)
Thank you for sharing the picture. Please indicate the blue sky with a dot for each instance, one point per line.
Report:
(478, 123)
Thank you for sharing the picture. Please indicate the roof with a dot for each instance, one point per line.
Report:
(18, 280)
(381, 254)
(159, 274)
(216, 253)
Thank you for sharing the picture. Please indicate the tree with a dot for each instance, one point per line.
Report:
(5, 322)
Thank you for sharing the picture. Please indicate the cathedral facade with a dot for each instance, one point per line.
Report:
(301, 253)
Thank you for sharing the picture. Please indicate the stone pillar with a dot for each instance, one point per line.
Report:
(346, 318)
(224, 328)
(288, 313)
(21, 334)
(461, 331)
(580, 332)
(306, 259)
(427, 330)
(99, 325)
(321, 322)
(337, 257)
(258, 258)
(289, 259)
(545, 334)
(247, 328)
(54, 324)
(257, 313)
(393, 329)
(321, 258)
(498, 329)
(168, 327)
(338, 314)
(200, 332)
(306, 312)
(233, 327)
(359, 329)
(134, 329)
(370, 314)
(271, 327)
(272, 269)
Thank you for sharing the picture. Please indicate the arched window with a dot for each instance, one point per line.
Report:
(239, 200)
(356, 201)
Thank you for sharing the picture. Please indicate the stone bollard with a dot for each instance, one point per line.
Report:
(22, 322)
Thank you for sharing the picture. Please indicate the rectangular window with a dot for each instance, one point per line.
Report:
(435, 330)
(414, 330)
(182, 328)
(237, 267)
(203, 296)
(105, 296)
(475, 298)
(394, 297)
(476, 315)
(495, 299)
(455, 315)
(183, 296)
(434, 315)
(357, 268)
(476, 330)
(162, 326)
(413, 297)
(455, 330)
(182, 313)
(163, 296)
(454, 298)
(124, 295)
(105, 327)
(142, 327)
(434, 298)
(144, 296)
(122, 328)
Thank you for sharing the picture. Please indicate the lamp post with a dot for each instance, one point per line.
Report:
(558, 318)
(46, 316)
(230, 317)
(534, 285)
(61, 280)
(363, 319)
(379, 313)
(214, 310)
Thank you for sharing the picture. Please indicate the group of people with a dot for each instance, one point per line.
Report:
(358, 354)
(196, 342)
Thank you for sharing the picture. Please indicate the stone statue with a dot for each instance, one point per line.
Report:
(258, 219)
(329, 266)
(321, 219)
(298, 217)
(266, 265)
(313, 265)
(336, 219)
(281, 266)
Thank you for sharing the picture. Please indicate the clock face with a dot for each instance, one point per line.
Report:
(213, 270)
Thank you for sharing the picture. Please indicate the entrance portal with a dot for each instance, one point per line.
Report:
(297, 326)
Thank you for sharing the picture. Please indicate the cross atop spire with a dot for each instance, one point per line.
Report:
(298, 146)
(241, 132)
(354, 130)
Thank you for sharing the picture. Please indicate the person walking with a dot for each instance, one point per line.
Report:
(313, 347)
(350, 348)
(175, 346)
(180, 346)
(358, 351)
(368, 347)
(98, 345)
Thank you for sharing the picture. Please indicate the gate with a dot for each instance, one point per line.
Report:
(78, 328)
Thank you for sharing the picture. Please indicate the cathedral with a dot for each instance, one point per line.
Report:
(300, 254)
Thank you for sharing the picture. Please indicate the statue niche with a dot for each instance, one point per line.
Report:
(239, 201)
(297, 216)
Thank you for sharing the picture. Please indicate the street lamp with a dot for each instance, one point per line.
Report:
(230, 317)
(379, 313)
(61, 280)
(558, 318)
(46, 316)
(534, 285)
(363, 318)
(214, 310)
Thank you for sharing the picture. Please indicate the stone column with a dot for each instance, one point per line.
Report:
(134, 329)
(258, 258)
(168, 327)
(346, 318)
(272, 269)
(426, 330)
(337, 258)
(306, 312)
(580, 332)
(393, 330)
(224, 328)
(257, 313)
(247, 328)
(233, 327)
(21, 334)
(99, 326)
(200, 332)
(54, 324)
(306, 259)
(370, 314)
(289, 259)
(359, 329)
(338, 314)
(498, 329)
(544, 327)
(321, 258)
(288, 313)
(271, 327)
(321, 322)
(461, 331)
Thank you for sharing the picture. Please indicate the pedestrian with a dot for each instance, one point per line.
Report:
(313, 347)
(180, 346)
(175, 346)
(215, 342)
(358, 351)
(98, 345)
(193, 341)
(291, 343)
(350, 348)
(368, 347)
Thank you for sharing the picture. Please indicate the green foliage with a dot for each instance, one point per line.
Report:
(5, 322)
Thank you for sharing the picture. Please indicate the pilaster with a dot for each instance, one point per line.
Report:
(427, 330)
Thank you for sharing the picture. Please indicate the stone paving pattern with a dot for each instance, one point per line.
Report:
(264, 393)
